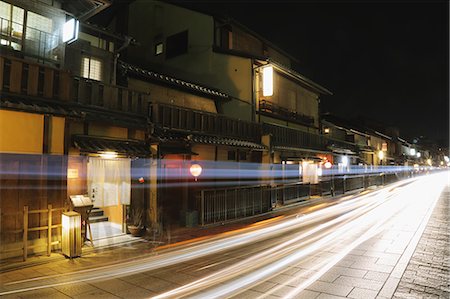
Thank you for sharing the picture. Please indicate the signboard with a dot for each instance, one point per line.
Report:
(81, 201)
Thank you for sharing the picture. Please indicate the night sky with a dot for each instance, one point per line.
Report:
(383, 60)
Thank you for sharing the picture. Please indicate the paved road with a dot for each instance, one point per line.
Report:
(358, 248)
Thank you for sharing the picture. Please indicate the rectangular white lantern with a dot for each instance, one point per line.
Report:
(71, 234)
(267, 81)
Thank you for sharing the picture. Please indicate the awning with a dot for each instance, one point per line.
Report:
(343, 151)
(227, 141)
(300, 158)
(174, 150)
(31, 105)
(297, 149)
(96, 144)
(46, 106)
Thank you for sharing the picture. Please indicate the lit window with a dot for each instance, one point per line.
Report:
(91, 68)
(159, 48)
(326, 130)
(268, 81)
(11, 24)
(37, 26)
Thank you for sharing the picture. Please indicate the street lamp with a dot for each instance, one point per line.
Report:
(381, 156)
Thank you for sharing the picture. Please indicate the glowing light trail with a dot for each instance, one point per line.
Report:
(323, 236)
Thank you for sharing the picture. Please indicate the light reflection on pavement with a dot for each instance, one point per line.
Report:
(310, 244)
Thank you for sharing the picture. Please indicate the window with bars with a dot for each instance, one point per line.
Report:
(91, 68)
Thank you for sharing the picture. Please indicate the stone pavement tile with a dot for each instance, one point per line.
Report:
(249, 294)
(134, 277)
(377, 276)
(295, 281)
(178, 278)
(360, 283)
(291, 271)
(348, 271)
(12, 296)
(389, 287)
(396, 249)
(328, 296)
(378, 253)
(95, 294)
(381, 246)
(280, 279)
(389, 261)
(263, 287)
(330, 288)
(358, 251)
(113, 286)
(75, 288)
(360, 258)
(359, 293)
(372, 267)
(282, 291)
(329, 277)
(12, 276)
(305, 294)
(136, 293)
(154, 284)
(343, 263)
(46, 271)
(44, 294)
(305, 273)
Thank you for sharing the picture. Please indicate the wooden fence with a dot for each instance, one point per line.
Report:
(26, 229)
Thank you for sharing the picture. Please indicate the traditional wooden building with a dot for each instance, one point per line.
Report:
(66, 128)
(220, 52)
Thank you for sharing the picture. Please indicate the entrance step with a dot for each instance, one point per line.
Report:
(96, 212)
(97, 215)
(95, 219)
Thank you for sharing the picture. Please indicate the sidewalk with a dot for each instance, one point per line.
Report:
(125, 247)
(428, 272)
(410, 260)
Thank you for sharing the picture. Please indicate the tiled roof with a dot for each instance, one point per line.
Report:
(192, 87)
(76, 110)
(30, 105)
(92, 144)
(298, 149)
(227, 141)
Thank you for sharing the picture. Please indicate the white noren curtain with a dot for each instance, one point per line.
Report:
(109, 181)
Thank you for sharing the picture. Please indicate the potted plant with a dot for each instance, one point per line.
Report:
(136, 222)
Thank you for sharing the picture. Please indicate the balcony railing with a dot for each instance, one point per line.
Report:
(288, 137)
(184, 119)
(269, 108)
(29, 40)
(31, 79)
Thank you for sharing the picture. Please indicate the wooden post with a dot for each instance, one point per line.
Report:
(202, 207)
(25, 232)
(49, 232)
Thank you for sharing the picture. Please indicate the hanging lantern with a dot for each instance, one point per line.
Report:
(196, 170)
